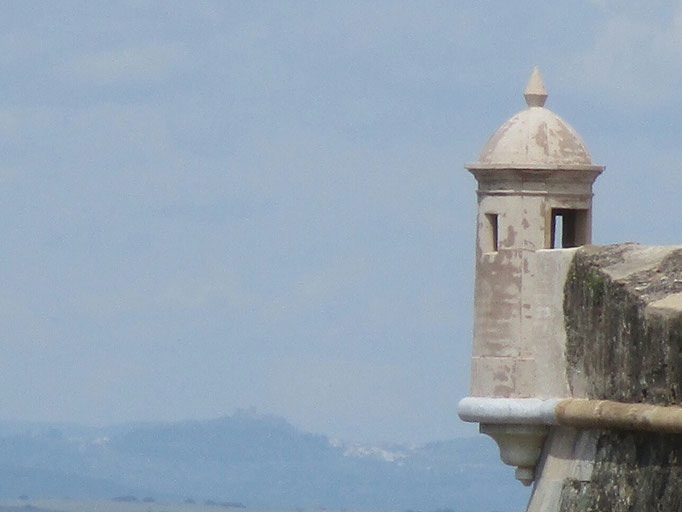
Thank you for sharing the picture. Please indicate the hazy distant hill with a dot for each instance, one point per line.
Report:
(255, 460)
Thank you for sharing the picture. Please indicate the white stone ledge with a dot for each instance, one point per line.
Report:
(508, 411)
(519, 426)
(571, 412)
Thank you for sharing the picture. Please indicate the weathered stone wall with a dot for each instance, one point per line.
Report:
(623, 311)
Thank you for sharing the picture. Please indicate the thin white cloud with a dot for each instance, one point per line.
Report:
(137, 64)
(635, 58)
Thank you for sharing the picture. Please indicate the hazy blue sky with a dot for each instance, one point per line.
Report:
(210, 205)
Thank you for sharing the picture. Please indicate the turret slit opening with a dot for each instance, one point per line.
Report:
(493, 231)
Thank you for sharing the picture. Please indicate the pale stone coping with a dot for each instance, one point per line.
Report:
(671, 302)
(506, 411)
(638, 258)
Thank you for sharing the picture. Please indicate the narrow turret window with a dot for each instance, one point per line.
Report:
(492, 231)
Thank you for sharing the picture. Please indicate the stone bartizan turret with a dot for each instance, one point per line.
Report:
(535, 179)
(576, 370)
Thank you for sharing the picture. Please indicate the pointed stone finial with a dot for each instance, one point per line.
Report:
(535, 92)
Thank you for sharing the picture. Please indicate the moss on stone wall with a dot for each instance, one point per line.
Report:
(615, 348)
(618, 349)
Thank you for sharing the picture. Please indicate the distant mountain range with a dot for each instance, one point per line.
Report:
(257, 460)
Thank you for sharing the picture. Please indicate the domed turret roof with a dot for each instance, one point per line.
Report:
(535, 137)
